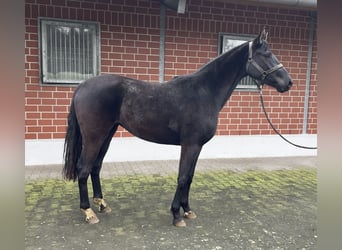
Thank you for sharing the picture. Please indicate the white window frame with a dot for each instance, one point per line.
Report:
(229, 41)
(69, 50)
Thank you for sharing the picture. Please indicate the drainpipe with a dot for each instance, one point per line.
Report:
(292, 3)
(308, 73)
(162, 42)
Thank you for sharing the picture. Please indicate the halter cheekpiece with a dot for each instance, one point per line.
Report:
(264, 73)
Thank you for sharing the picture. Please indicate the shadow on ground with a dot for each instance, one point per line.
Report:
(254, 209)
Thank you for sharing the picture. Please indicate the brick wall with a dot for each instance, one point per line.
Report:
(130, 47)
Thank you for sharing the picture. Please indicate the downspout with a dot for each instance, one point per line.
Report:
(290, 3)
(308, 73)
(162, 42)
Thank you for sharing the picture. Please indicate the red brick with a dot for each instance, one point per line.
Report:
(45, 136)
(190, 42)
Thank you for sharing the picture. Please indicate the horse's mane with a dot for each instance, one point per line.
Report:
(227, 54)
(213, 65)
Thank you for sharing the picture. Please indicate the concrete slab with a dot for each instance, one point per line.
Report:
(44, 152)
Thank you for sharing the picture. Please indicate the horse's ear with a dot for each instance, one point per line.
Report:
(261, 38)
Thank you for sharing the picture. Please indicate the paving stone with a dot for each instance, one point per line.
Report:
(241, 204)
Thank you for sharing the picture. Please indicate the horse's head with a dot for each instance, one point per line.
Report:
(263, 65)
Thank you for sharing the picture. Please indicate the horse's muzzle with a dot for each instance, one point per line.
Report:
(286, 87)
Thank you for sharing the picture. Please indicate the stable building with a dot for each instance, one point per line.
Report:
(67, 42)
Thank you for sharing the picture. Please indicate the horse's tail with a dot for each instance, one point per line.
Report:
(72, 146)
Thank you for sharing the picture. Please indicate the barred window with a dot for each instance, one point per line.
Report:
(69, 51)
(229, 41)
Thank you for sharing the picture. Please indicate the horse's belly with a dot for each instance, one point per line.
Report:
(156, 130)
(154, 134)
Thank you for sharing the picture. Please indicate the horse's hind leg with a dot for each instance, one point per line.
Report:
(84, 167)
(92, 146)
(95, 176)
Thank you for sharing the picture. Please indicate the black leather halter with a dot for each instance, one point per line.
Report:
(263, 73)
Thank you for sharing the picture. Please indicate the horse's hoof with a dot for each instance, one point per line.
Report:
(92, 220)
(105, 209)
(102, 205)
(91, 217)
(190, 215)
(180, 223)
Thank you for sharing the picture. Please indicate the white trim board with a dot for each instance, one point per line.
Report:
(44, 152)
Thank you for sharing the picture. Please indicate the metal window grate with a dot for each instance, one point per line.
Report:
(227, 42)
(69, 51)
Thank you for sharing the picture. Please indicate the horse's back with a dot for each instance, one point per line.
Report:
(99, 83)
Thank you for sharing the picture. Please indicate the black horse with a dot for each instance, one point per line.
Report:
(183, 111)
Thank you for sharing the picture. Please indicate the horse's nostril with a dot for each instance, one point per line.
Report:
(290, 83)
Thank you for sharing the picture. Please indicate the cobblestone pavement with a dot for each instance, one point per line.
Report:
(259, 203)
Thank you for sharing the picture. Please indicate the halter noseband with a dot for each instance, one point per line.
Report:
(264, 73)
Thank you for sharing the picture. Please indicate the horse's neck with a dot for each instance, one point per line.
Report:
(223, 73)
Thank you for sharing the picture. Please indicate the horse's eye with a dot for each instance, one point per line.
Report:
(268, 53)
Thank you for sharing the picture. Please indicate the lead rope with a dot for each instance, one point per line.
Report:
(269, 121)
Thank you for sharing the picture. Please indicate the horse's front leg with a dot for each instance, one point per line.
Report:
(187, 164)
